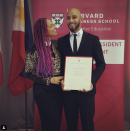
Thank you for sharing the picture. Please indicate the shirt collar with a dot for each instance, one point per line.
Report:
(79, 33)
(48, 43)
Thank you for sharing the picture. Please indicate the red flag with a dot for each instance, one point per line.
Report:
(1, 68)
(18, 84)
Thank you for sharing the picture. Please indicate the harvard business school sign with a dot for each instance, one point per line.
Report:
(57, 19)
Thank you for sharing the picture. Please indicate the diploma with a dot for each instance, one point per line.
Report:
(78, 72)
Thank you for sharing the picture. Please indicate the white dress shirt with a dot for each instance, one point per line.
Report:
(78, 38)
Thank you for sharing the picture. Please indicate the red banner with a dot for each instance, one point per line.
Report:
(106, 19)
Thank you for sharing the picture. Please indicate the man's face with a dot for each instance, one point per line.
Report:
(73, 21)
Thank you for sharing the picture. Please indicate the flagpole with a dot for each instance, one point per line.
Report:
(26, 110)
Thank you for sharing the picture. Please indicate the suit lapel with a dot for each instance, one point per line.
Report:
(67, 42)
(83, 41)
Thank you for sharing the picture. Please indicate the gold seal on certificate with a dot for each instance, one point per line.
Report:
(78, 71)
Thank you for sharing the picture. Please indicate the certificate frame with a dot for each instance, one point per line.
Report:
(74, 77)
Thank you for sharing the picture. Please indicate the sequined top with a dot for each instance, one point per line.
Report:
(31, 60)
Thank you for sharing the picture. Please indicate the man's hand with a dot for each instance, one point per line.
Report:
(62, 85)
(56, 80)
(91, 87)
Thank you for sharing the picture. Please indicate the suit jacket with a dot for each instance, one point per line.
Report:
(89, 46)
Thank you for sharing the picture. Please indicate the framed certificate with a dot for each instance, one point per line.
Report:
(78, 72)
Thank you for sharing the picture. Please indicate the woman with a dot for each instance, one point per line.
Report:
(43, 67)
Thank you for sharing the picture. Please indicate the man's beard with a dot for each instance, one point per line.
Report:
(76, 27)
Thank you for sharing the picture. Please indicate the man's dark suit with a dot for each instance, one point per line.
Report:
(91, 47)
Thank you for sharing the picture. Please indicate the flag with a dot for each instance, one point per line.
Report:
(1, 68)
(22, 39)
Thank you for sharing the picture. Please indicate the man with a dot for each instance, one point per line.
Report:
(87, 45)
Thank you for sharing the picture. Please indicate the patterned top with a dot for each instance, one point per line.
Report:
(31, 60)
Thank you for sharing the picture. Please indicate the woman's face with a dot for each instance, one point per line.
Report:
(51, 28)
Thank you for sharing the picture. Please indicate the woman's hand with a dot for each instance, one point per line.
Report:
(62, 85)
(56, 80)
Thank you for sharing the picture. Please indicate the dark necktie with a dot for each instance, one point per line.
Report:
(75, 44)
